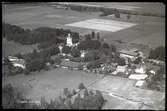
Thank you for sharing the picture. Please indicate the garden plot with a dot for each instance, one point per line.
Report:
(102, 25)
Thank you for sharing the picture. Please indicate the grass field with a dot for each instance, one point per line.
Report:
(102, 25)
(50, 83)
(11, 48)
(125, 90)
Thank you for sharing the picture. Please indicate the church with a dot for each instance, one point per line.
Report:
(69, 40)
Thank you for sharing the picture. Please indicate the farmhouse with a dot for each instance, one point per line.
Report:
(17, 62)
(140, 70)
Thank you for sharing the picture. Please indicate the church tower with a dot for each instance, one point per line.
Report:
(69, 40)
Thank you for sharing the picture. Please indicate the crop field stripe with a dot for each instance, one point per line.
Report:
(101, 24)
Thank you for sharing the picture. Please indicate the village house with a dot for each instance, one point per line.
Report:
(132, 54)
(140, 83)
(138, 76)
(17, 62)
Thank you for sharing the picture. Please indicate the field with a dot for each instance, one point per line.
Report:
(124, 89)
(102, 25)
(10, 48)
(50, 83)
(148, 31)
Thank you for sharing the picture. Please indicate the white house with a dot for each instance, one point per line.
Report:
(121, 68)
(138, 76)
(69, 40)
(140, 70)
(152, 71)
(12, 58)
(140, 83)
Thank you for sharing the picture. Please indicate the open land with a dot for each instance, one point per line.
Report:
(11, 48)
(116, 90)
(149, 30)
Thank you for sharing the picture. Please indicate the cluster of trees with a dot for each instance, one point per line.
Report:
(108, 11)
(11, 98)
(89, 45)
(44, 36)
(36, 61)
(90, 100)
(156, 81)
(157, 53)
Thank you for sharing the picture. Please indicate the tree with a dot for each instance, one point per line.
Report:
(66, 92)
(113, 48)
(157, 53)
(86, 92)
(75, 104)
(105, 46)
(75, 52)
(138, 60)
(93, 34)
(121, 61)
(19, 56)
(98, 36)
(75, 37)
(117, 14)
(88, 37)
(128, 16)
(81, 86)
(66, 50)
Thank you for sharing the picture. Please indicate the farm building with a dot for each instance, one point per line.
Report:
(140, 83)
(121, 68)
(138, 76)
(17, 62)
(132, 54)
(140, 69)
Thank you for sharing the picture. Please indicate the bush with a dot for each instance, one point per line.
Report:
(89, 45)
(66, 50)
(75, 52)
(105, 46)
(81, 86)
(157, 53)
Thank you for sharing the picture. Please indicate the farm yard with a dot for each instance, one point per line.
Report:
(140, 32)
